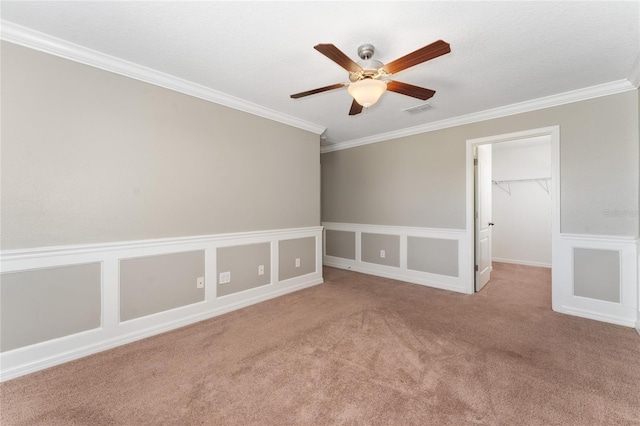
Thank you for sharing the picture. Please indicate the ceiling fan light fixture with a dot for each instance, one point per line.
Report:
(367, 91)
(369, 77)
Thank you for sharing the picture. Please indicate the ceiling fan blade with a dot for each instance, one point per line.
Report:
(356, 108)
(433, 50)
(336, 55)
(410, 90)
(319, 90)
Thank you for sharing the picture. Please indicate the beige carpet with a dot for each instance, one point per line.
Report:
(357, 350)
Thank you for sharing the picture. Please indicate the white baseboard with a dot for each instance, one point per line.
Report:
(396, 275)
(593, 314)
(28, 359)
(80, 352)
(522, 262)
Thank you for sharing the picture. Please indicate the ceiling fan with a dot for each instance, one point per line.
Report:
(369, 78)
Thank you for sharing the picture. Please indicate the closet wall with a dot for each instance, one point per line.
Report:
(521, 207)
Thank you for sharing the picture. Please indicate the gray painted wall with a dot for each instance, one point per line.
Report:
(433, 255)
(419, 180)
(340, 244)
(596, 274)
(44, 304)
(371, 244)
(416, 181)
(243, 262)
(157, 283)
(90, 156)
(290, 250)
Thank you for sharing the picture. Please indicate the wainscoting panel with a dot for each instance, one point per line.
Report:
(434, 255)
(43, 304)
(596, 274)
(113, 265)
(381, 249)
(441, 270)
(153, 284)
(297, 257)
(597, 278)
(242, 264)
(340, 244)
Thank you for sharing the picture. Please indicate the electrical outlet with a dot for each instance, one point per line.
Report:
(225, 277)
(260, 269)
(382, 254)
(200, 282)
(297, 262)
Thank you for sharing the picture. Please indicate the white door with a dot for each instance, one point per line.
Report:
(483, 215)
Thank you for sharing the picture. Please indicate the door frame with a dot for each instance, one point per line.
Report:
(554, 189)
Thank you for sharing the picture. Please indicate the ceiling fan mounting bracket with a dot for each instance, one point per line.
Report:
(366, 51)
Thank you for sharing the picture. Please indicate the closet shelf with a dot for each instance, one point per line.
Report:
(543, 182)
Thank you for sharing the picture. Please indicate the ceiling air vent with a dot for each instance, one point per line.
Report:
(418, 108)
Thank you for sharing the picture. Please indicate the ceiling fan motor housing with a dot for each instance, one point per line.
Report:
(370, 64)
(370, 67)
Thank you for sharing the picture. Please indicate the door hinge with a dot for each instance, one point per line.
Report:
(476, 268)
(475, 161)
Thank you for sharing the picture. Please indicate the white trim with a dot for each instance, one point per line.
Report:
(230, 238)
(401, 272)
(586, 93)
(113, 332)
(393, 230)
(623, 313)
(522, 262)
(638, 288)
(36, 40)
(554, 191)
(601, 239)
(634, 74)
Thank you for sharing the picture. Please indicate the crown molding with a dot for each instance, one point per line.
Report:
(36, 40)
(586, 93)
(634, 74)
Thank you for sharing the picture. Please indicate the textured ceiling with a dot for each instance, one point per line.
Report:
(502, 52)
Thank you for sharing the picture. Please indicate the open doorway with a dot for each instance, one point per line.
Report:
(512, 174)
(513, 204)
(521, 202)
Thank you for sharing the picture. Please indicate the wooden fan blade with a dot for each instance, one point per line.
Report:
(356, 108)
(336, 55)
(410, 90)
(319, 90)
(435, 49)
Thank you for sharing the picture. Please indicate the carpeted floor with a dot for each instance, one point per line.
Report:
(357, 349)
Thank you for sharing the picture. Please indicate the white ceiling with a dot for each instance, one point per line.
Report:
(502, 53)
